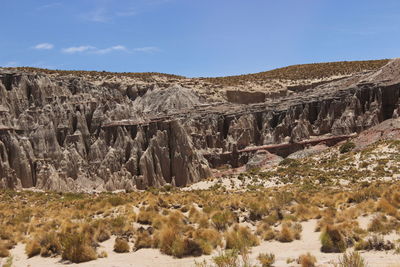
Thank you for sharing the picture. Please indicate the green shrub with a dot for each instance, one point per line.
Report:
(116, 201)
(332, 240)
(347, 147)
(222, 219)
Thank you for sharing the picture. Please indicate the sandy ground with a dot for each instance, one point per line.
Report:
(153, 258)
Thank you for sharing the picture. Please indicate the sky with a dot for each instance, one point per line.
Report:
(195, 38)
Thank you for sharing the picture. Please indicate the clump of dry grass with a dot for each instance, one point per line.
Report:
(222, 219)
(172, 242)
(265, 231)
(146, 217)
(351, 259)
(289, 232)
(50, 244)
(77, 247)
(102, 234)
(266, 259)
(208, 239)
(384, 206)
(307, 260)
(240, 238)
(121, 245)
(143, 240)
(32, 248)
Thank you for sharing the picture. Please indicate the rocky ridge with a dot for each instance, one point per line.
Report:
(69, 133)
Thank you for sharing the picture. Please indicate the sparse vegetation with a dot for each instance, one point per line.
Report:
(266, 259)
(121, 245)
(305, 71)
(347, 147)
(194, 223)
(351, 259)
(307, 260)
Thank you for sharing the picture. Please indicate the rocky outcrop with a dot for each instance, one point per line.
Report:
(67, 133)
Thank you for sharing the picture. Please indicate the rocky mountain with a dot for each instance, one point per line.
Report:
(83, 131)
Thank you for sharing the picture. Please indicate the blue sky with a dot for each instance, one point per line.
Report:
(195, 37)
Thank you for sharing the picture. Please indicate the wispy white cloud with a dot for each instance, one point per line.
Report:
(94, 50)
(78, 49)
(110, 49)
(147, 49)
(44, 46)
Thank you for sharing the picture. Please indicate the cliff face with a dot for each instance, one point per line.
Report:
(67, 133)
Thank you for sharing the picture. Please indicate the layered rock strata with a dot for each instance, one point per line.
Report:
(67, 133)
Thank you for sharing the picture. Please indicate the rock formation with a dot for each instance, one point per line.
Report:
(68, 133)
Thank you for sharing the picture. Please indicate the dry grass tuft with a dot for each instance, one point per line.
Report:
(208, 239)
(121, 245)
(266, 259)
(307, 260)
(351, 259)
(77, 248)
(32, 248)
(240, 238)
(143, 240)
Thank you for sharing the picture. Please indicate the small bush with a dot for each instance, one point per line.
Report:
(351, 259)
(307, 260)
(102, 235)
(208, 239)
(289, 162)
(77, 248)
(229, 258)
(32, 248)
(347, 147)
(50, 244)
(378, 243)
(116, 201)
(143, 240)
(240, 238)
(266, 259)
(222, 219)
(146, 217)
(121, 245)
(332, 240)
(285, 235)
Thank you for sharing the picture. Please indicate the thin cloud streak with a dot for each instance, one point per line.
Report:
(94, 50)
(77, 49)
(43, 46)
(110, 49)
